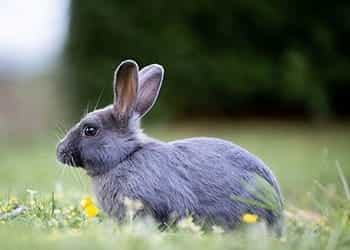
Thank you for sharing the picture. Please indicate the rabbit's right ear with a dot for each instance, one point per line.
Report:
(125, 89)
(151, 78)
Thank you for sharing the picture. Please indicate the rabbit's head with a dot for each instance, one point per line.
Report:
(107, 136)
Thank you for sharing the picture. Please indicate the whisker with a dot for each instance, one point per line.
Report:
(62, 131)
(58, 136)
(86, 109)
(76, 174)
(62, 127)
(99, 98)
(61, 171)
(84, 185)
(55, 135)
(79, 177)
(59, 129)
(71, 171)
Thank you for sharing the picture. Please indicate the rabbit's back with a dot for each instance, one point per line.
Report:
(217, 157)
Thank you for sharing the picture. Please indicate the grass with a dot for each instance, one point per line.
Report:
(310, 162)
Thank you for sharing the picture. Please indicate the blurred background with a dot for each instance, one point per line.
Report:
(272, 76)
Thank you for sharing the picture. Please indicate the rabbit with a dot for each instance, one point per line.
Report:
(213, 180)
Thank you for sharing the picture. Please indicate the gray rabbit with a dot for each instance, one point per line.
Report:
(213, 180)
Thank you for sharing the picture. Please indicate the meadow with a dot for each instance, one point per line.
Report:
(311, 162)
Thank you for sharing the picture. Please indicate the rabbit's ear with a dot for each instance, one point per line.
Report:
(125, 89)
(151, 78)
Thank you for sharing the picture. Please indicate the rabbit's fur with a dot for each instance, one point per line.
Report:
(210, 179)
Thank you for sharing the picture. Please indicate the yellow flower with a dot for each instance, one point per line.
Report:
(86, 201)
(249, 218)
(91, 211)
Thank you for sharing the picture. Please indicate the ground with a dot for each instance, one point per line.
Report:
(311, 163)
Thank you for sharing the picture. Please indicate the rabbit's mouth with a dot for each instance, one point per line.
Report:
(67, 155)
(69, 158)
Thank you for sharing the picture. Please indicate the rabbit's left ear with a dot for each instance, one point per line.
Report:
(125, 89)
(150, 79)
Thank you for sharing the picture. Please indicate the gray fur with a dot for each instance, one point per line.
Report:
(196, 176)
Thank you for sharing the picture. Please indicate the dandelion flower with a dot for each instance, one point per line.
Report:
(91, 211)
(86, 201)
(249, 218)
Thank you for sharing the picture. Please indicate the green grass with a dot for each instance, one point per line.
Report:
(303, 157)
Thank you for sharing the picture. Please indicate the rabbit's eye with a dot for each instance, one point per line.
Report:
(90, 131)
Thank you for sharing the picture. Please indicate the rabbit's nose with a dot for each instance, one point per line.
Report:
(61, 153)
(60, 149)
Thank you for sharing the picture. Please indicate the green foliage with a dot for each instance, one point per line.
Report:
(55, 223)
(265, 194)
(221, 58)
